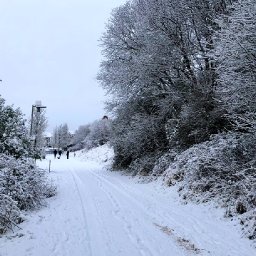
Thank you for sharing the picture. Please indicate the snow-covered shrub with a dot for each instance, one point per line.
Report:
(9, 213)
(222, 169)
(248, 220)
(164, 162)
(22, 186)
(144, 165)
(198, 120)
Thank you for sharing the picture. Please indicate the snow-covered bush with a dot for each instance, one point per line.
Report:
(144, 165)
(9, 213)
(223, 170)
(23, 181)
(164, 162)
(22, 186)
(198, 120)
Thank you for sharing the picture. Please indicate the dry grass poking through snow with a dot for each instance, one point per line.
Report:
(188, 245)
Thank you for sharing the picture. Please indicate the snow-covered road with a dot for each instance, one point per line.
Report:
(97, 212)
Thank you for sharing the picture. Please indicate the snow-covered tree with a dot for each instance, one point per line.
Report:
(64, 136)
(100, 132)
(38, 128)
(93, 134)
(61, 136)
(80, 134)
(14, 139)
(55, 138)
(158, 63)
(236, 56)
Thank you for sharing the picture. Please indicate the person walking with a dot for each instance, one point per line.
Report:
(67, 154)
(60, 152)
(55, 153)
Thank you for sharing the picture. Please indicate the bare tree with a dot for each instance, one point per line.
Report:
(236, 56)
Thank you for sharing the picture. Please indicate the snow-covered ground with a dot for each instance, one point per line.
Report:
(97, 212)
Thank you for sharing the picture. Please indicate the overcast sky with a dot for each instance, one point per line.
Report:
(49, 51)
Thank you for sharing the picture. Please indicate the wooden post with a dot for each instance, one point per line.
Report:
(49, 165)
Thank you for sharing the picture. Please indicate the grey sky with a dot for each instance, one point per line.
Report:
(49, 51)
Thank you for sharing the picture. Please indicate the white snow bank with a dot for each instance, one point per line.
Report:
(101, 154)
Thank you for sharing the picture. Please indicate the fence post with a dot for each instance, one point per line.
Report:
(49, 165)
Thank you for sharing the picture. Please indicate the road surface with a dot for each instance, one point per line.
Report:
(101, 213)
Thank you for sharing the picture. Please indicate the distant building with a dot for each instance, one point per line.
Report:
(48, 139)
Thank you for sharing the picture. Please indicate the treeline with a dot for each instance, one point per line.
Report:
(61, 137)
(22, 185)
(92, 135)
(181, 75)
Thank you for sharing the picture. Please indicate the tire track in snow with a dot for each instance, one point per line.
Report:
(99, 233)
(153, 216)
(127, 192)
(131, 233)
(146, 229)
(97, 204)
(166, 215)
(86, 229)
(105, 233)
(187, 225)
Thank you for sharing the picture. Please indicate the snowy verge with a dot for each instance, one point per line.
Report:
(222, 171)
(101, 154)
